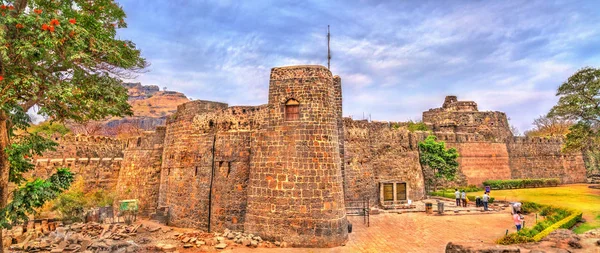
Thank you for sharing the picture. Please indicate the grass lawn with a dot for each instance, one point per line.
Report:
(574, 196)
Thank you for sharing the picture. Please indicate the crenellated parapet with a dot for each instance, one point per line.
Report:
(234, 118)
(464, 117)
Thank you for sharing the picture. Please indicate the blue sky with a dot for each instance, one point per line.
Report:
(396, 58)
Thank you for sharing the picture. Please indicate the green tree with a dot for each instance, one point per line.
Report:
(579, 101)
(441, 162)
(416, 126)
(48, 128)
(61, 55)
(549, 126)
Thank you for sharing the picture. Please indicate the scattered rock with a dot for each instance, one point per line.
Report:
(154, 229)
(575, 244)
(221, 246)
(277, 243)
(254, 244)
(246, 242)
(598, 242)
(188, 245)
(169, 248)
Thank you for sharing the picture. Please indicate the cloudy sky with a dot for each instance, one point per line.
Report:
(396, 58)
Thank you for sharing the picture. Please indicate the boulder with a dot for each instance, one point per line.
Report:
(480, 248)
(221, 246)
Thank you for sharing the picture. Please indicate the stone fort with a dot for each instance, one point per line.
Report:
(286, 170)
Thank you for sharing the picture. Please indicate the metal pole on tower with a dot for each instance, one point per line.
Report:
(328, 49)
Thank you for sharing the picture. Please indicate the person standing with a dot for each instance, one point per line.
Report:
(457, 196)
(486, 198)
(516, 207)
(518, 220)
(463, 198)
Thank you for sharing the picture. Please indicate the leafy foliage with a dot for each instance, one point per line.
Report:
(33, 195)
(434, 155)
(416, 126)
(545, 126)
(48, 128)
(72, 203)
(555, 218)
(412, 126)
(64, 57)
(579, 101)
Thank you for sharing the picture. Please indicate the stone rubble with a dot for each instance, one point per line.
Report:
(95, 237)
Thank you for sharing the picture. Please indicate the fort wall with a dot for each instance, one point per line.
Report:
(96, 159)
(540, 157)
(186, 169)
(97, 172)
(296, 191)
(139, 177)
(375, 152)
(464, 117)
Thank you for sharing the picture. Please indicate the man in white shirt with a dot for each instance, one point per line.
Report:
(486, 198)
(457, 197)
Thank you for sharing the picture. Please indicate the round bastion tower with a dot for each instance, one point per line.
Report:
(295, 191)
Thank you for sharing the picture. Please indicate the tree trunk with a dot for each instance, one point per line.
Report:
(4, 166)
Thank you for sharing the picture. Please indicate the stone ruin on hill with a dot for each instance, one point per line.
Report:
(285, 170)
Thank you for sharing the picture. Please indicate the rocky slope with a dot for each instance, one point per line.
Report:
(150, 106)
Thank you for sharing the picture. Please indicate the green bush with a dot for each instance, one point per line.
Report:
(416, 126)
(555, 218)
(72, 204)
(514, 238)
(530, 207)
(565, 223)
(521, 183)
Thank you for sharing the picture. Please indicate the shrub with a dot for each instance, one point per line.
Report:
(514, 238)
(530, 207)
(546, 211)
(71, 204)
(521, 183)
(100, 198)
(416, 126)
(555, 218)
(566, 223)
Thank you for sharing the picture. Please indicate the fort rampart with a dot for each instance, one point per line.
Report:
(285, 170)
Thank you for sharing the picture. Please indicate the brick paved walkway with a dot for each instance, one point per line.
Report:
(414, 232)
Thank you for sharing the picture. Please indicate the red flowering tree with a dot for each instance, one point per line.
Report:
(62, 56)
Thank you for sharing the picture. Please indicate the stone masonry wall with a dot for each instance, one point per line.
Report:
(377, 152)
(139, 178)
(81, 146)
(97, 173)
(187, 166)
(96, 159)
(295, 192)
(543, 158)
(463, 117)
(231, 178)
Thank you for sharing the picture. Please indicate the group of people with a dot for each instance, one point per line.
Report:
(461, 198)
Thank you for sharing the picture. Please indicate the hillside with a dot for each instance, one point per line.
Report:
(150, 106)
